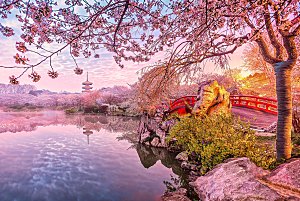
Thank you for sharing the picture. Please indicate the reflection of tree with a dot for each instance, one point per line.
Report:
(150, 155)
(28, 121)
(147, 156)
(87, 132)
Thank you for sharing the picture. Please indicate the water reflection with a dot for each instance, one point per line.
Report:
(30, 121)
(87, 132)
(149, 156)
(45, 157)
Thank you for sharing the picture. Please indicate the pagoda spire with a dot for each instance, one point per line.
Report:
(87, 85)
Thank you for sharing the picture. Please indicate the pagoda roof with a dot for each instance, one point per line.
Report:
(87, 83)
(87, 87)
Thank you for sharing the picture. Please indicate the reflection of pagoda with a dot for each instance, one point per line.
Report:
(87, 132)
(87, 85)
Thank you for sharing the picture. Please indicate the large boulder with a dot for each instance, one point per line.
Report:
(212, 98)
(236, 179)
(286, 176)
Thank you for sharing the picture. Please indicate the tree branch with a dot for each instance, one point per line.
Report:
(8, 5)
(119, 23)
(265, 51)
(291, 48)
(275, 43)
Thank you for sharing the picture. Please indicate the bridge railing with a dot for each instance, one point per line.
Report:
(185, 99)
(268, 105)
(179, 104)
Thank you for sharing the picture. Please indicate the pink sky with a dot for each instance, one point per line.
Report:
(103, 72)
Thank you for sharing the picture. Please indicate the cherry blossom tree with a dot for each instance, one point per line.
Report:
(89, 99)
(195, 31)
(255, 62)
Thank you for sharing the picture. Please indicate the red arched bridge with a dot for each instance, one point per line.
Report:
(261, 112)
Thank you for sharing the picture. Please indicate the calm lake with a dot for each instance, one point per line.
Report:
(52, 157)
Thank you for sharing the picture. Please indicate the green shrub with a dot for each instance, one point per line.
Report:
(216, 138)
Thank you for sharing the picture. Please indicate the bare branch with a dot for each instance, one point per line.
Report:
(8, 5)
(119, 23)
(274, 41)
(290, 46)
(265, 51)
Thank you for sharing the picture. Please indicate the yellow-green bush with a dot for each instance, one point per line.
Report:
(216, 138)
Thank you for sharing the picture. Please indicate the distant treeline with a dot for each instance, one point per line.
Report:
(16, 89)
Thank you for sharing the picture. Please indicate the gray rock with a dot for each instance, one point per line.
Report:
(286, 175)
(236, 179)
(188, 166)
(161, 141)
(150, 134)
(182, 156)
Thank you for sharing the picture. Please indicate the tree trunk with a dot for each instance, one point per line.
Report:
(284, 98)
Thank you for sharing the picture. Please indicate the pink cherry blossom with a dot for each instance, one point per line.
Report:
(13, 80)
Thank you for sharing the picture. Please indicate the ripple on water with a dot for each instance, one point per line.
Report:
(56, 163)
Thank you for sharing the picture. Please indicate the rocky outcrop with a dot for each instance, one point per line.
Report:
(212, 98)
(153, 136)
(236, 179)
(286, 176)
(152, 132)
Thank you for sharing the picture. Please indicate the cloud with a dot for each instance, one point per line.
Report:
(103, 72)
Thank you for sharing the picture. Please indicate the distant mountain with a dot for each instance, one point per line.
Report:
(41, 92)
(27, 89)
(115, 90)
(16, 89)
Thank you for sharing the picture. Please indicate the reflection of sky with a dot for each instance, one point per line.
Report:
(56, 163)
(103, 72)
